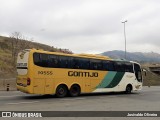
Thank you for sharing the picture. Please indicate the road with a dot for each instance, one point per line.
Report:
(146, 100)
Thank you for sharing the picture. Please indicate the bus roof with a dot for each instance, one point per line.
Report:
(73, 55)
(93, 55)
(82, 55)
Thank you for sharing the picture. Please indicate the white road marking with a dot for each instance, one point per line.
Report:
(22, 103)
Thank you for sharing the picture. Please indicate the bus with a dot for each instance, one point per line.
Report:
(43, 72)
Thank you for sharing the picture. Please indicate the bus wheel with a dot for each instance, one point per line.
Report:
(74, 90)
(61, 91)
(128, 89)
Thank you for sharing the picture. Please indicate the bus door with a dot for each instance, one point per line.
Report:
(138, 72)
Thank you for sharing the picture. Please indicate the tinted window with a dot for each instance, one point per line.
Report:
(108, 65)
(96, 65)
(138, 74)
(80, 63)
(36, 58)
(137, 67)
(76, 63)
(63, 62)
(53, 61)
(128, 67)
(40, 59)
(84, 63)
(44, 60)
(119, 66)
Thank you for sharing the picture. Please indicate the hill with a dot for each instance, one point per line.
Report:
(150, 57)
(9, 48)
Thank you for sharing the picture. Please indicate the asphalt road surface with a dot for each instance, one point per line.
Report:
(147, 99)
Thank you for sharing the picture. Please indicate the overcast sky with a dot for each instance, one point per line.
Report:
(85, 26)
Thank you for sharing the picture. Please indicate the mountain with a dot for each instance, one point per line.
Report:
(134, 56)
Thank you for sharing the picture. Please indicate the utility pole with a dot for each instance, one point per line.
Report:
(125, 36)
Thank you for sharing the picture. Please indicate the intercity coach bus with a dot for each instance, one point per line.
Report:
(44, 72)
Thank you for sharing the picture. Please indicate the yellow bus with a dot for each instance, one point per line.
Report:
(44, 72)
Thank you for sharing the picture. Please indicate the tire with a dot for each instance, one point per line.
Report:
(61, 91)
(74, 91)
(128, 89)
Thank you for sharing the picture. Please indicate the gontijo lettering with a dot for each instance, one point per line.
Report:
(82, 74)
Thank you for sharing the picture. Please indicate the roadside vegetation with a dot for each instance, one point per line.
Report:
(9, 48)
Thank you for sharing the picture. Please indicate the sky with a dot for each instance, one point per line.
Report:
(85, 26)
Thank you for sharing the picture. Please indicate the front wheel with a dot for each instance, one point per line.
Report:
(128, 89)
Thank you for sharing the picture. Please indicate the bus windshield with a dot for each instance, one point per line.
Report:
(138, 72)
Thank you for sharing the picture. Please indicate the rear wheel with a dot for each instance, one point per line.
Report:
(61, 91)
(74, 90)
(128, 89)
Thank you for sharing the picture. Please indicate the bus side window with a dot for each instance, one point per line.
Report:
(36, 59)
(84, 63)
(63, 62)
(70, 62)
(76, 63)
(53, 61)
(119, 66)
(96, 65)
(108, 65)
(92, 65)
(44, 60)
(128, 67)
